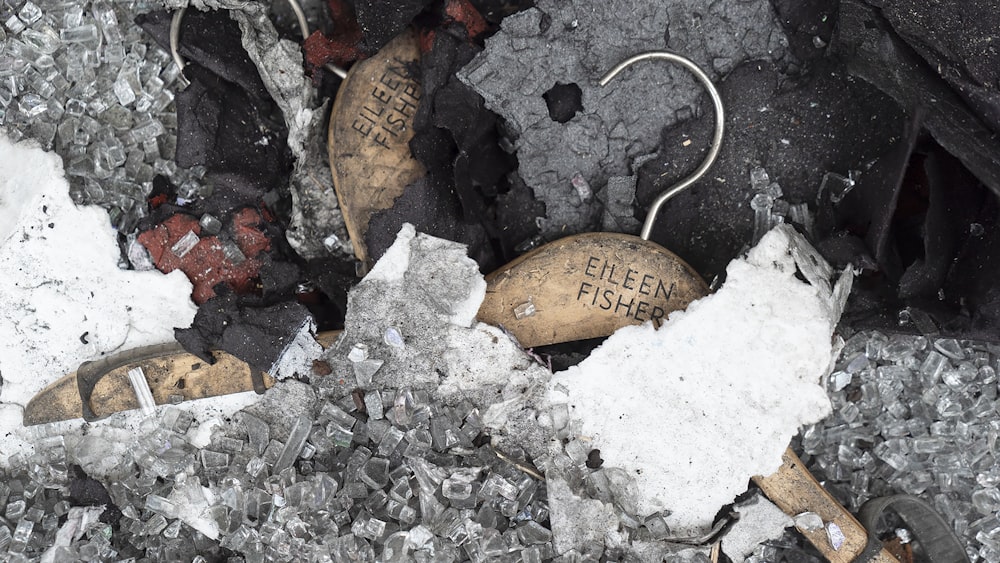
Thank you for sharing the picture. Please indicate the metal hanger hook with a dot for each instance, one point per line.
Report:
(175, 33)
(713, 151)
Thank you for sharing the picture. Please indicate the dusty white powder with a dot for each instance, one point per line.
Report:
(695, 409)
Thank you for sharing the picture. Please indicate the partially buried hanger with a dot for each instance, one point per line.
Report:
(587, 286)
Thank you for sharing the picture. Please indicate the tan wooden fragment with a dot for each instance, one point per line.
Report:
(588, 286)
(172, 373)
(794, 490)
(370, 130)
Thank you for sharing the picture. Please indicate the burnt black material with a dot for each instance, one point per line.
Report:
(226, 120)
(381, 20)
(457, 140)
(254, 332)
(797, 131)
(86, 491)
(563, 101)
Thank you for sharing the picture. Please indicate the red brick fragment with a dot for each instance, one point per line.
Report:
(339, 51)
(248, 234)
(425, 40)
(206, 265)
(463, 12)
(343, 47)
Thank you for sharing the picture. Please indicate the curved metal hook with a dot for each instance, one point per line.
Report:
(175, 32)
(175, 39)
(713, 151)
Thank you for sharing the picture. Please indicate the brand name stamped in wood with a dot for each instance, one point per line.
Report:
(388, 110)
(624, 291)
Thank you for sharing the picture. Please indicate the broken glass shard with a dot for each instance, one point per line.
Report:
(836, 186)
(808, 521)
(950, 348)
(44, 40)
(213, 460)
(293, 446)
(30, 13)
(393, 338)
(14, 24)
(85, 34)
(209, 224)
(525, 309)
(835, 535)
(373, 405)
(358, 353)
(759, 179)
(185, 244)
(375, 472)
(582, 187)
(232, 252)
(140, 386)
(365, 370)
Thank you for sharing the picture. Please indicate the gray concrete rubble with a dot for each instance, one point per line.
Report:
(759, 521)
(414, 315)
(563, 43)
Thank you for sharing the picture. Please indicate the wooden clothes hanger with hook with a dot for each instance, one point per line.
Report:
(587, 286)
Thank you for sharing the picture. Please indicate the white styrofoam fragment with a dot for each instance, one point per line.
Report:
(63, 299)
(396, 260)
(759, 521)
(695, 409)
(299, 353)
(394, 266)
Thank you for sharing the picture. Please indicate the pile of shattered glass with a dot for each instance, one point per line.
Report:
(82, 80)
(393, 475)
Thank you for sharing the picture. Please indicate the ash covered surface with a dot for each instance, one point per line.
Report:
(553, 44)
(868, 127)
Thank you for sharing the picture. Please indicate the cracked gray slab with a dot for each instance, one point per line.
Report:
(560, 42)
(428, 291)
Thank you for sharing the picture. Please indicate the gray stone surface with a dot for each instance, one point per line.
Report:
(429, 291)
(559, 42)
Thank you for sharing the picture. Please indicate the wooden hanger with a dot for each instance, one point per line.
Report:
(589, 285)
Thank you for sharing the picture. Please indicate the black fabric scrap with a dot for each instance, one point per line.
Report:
(333, 277)
(433, 210)
(87, 491)
(247, 329)
(213, 40)
(808, 25)
(495, 10)
(467, 195)
(972, 282)
(226, 120)
(796, 131)
(939, 245)
(381, 20)
(957, 38)
(954, 200)
(872, 51)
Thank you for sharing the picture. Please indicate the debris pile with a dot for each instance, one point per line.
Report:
(421, 434)
(915, 414)
(80, 78)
